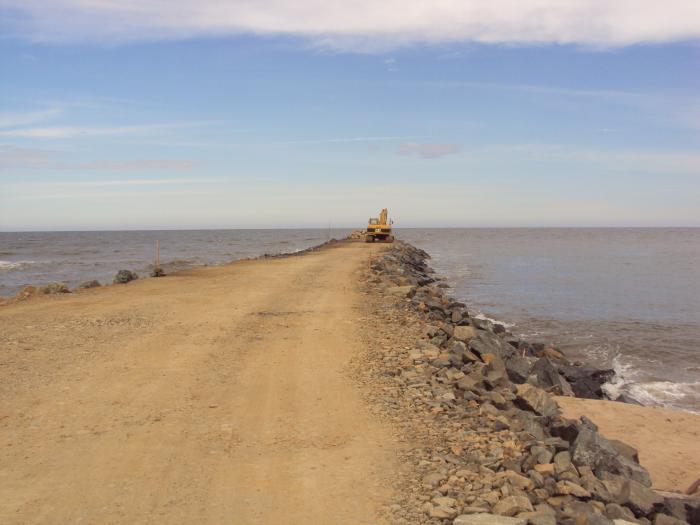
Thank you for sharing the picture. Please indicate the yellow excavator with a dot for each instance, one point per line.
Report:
(379, 229)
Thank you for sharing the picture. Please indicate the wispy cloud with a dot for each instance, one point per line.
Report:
(67, 132)
(14, 157)
(17, 157)
(340, 140)
(139, 165)
(428, 151)
(365, 24)
(9, 120)
(133, 182)
(619, 159)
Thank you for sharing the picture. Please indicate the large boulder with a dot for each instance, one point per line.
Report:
(536, 400)
(495, 371)
(548, 377)
(125, 276)
(464, 333)
(54, 288)
(530, 423)
(587, 381)
(518, 369)
(640, 499)
(682, 506)
(488, 343)
(593, 450)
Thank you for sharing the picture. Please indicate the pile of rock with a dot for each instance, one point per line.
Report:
(357, 235)
(509, 457)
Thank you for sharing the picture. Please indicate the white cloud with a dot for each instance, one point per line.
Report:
(67, 132)
(365, 24)
(428, 151)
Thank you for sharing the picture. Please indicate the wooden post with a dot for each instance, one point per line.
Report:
(157, 270)
(157, 262)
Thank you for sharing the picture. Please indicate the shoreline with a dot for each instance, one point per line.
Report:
(466, 377)
(58, 287)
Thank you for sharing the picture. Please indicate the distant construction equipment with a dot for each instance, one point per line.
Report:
(379, 229)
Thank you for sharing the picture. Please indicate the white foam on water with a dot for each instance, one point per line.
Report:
(621, 380)
(492, 320)
(665, 393)
(9, 265)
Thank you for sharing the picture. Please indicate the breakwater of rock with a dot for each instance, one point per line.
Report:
(495, 447)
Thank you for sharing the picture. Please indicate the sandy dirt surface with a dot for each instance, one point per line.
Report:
(219, 395)
(668, 441)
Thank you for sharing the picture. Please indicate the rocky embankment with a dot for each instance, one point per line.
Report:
(494, 448)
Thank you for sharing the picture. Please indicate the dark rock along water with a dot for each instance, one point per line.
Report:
(73, 257)
(628, 298)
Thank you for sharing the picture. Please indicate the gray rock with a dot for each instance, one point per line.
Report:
(681, 506)
(54, 288)
(626, 450)
(587, 381)
(512, 505)
(498, 328)
(487, 519)
(562, 461)
(464, 333)
(89, 284)
(542, 519)
(593, 518)
(536, 400)
(548, 377)
(566, 488)
(640, 499)
(593, 450)
(467, 383)
(518, 369)
(487, 343)
(618, 512)
(530, 424)
(495, 372)
(433, 479)
(663, 519)
(125, 276)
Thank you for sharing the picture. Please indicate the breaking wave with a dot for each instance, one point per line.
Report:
(6, 266)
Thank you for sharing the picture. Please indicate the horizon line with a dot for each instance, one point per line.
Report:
(335, 228)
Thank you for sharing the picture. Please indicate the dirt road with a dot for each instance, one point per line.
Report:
(214, 396)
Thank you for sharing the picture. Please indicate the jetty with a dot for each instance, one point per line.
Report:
(341, 385)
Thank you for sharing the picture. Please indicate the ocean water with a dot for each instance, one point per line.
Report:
(74, 257)
(623, 298)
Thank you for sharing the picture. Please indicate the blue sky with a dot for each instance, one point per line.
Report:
(111, 122)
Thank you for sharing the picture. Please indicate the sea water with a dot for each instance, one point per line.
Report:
(623, 298)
